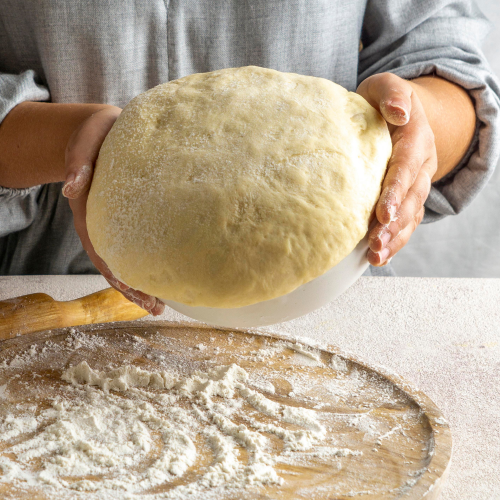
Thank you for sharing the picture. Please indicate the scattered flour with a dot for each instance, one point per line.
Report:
(339, 364)
(99, 438)
(260, 383)
(3, 391)
(127, 432)
(307, 352)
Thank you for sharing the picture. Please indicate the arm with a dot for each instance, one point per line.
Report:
(33, 139)
(443, 141)
(33, 136)
(452, 118)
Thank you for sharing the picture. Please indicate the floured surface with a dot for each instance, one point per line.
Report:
(161, 412)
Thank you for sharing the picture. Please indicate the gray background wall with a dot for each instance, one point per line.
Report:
(467, 245)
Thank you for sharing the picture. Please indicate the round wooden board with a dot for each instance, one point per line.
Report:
(393, 440)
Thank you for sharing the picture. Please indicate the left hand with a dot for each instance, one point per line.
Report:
(81, 154)
(411, 167)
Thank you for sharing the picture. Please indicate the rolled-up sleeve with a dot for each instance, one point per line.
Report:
(18, 206)
(15, 89)
(441, 37)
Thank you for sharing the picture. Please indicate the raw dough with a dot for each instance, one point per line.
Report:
(228, 188)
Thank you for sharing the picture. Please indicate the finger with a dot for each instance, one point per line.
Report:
(83, 148)
(389, 94)
(381, 258)
(78, 181)
(158, 309)
(147, 302)
(413, 146)
(382, 234)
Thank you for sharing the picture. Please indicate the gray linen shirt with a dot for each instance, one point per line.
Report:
(108, 52)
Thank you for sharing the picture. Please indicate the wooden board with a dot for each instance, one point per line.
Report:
(400, 441)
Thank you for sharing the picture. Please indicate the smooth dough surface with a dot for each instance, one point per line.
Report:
(228, 188)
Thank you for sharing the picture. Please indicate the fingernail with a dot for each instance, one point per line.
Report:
(384, 254)
(398, 106)
(158, 308)
(76, 183)
(68, 184)
(149, 304)
(385, 237)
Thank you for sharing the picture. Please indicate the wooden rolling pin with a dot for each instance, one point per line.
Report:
(39, 311)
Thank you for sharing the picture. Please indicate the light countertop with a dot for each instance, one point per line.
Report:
(442, 335)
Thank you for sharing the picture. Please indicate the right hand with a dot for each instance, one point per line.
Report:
(81, 154)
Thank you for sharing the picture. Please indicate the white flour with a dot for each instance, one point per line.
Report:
(169, 431)
(108, 426)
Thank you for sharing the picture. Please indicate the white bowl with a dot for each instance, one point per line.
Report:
(304, 299)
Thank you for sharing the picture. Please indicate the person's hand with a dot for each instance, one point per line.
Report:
(81, 153)
(412, 165)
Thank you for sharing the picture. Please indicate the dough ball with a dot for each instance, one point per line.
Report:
(228, 188)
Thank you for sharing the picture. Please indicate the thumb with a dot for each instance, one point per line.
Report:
(83, 148)
(390, 95)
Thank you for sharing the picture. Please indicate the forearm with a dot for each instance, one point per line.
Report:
(452, 117)
(33, 138)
